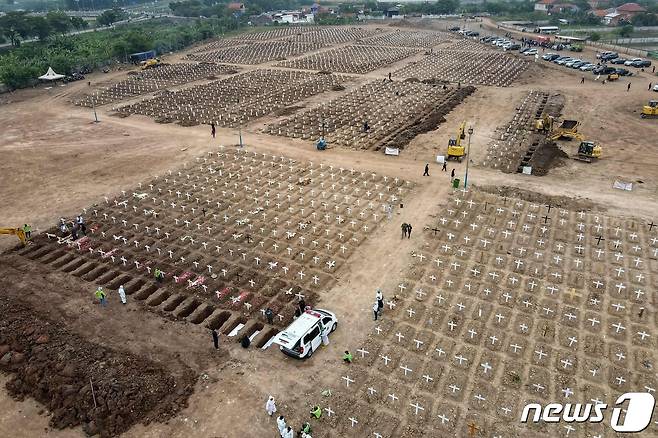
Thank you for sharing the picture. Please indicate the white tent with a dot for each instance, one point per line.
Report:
(51, 75)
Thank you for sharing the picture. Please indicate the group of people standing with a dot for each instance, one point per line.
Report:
(285, 430)
(77, 226)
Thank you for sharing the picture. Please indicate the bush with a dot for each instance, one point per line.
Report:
(595, 36)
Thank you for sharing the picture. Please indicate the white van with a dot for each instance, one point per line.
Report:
(304, 335)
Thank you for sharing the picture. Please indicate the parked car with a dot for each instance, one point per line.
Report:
(454, 29)
(530, 52)
(623, 72)
(603, 54)
(618, 61)
(578, 64)
(588, 67)
(655, 88)
(550, 56)
(557, 47)
(304, 335)
(563, 60)
(472, 34)
(513, 46)
(571, 62)
(604, 70)
(641, 64)
(609, 56)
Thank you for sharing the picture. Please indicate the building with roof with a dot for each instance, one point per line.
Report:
(545, 5)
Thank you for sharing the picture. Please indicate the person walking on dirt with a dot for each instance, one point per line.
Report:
(215, 338)
(650, 84)
(366, 127)
(281, 424)
(389, 76)
(100, 295)
(452, 175)
(270, 406)
(122, 294)
(212, 129)
(269, 314)
(74, 231)
(445, 166)
(628, 88)
(582, 80)
(375, 310)
(288, 433)
(427, 170)
(404, 230)
(28, 229)
(409, 227)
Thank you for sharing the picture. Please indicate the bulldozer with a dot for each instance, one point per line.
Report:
(18, 232)
(455, 149)
(651, 110)
(151, 63)
(588, 151)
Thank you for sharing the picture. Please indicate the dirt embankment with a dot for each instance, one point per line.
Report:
(429, 121)
(57, 368)
(540, 198)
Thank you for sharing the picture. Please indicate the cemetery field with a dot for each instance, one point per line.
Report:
(515, 290)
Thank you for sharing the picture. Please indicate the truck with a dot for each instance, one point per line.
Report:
(137, 58)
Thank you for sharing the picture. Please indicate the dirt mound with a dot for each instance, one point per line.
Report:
(547, 156)
(337, 87)
(435, 81)
(287, 111)
(429, 121)
(56, 368)
(324, 72)
(540, 198)
(411, 80)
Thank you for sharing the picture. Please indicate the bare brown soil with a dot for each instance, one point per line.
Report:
(57, 162)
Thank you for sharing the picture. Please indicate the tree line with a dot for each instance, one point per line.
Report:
(18, 25)
(66, 54)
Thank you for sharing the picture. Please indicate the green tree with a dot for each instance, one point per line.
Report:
(15, 26)
(595, 36)
(79, 23)
(41, 28)
(625, 31)
(59, 22)
(111, 16)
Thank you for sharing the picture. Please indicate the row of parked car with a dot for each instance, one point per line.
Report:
(614, 58)
(600, 67)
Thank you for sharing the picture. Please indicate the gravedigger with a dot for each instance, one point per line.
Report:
(18, 232)
(455, 149)
(650, 111)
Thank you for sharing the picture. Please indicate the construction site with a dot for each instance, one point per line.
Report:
(253, 184)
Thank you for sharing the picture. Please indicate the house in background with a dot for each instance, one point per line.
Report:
(564, 7)
(623, 14)
(236, 7)
(545, 5)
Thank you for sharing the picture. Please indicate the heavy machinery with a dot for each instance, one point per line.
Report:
(151, 63)
(455, 149)
(545, 124)
(567, 129)
(650, 110)
(613, 77)
(18, 232)
(588, 151)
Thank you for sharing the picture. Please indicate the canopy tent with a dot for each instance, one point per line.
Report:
(51, 75)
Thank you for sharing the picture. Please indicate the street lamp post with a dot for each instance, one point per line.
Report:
(468, 155)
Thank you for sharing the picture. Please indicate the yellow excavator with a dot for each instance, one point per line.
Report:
(151, 63)
(18, 232)
(455, 148)
(650, 110)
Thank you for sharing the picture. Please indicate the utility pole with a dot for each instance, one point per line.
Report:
(468, 155)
